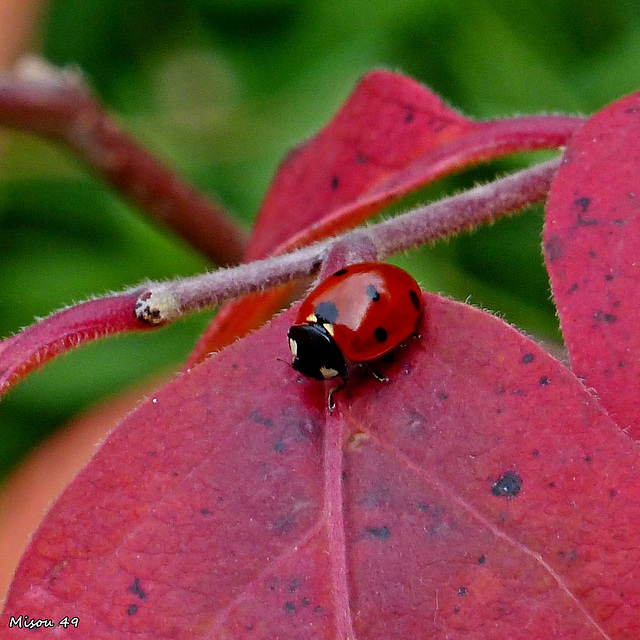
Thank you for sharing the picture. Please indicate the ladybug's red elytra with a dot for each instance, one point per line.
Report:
(357, 314)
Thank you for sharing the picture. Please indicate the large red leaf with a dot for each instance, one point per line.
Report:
(482, 494)
(392, 136)
(592, 247)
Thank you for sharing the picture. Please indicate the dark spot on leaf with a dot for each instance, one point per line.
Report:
(372, 293)
(544, 381)
(572, 288)
(378, 532)
(592, 253)
(132, 609)
(583, 203)
(137, 590)
(553, 247)
(456, 609)
(552, 485)
(616, 304)
(361, 158)
(319, 610)
(305, 602)
(601, 316)
(249, 627)
(442, 395)
(612, 493)
(334, 183)
(258, 418)
(462, 591)
(380, 334)
(507, 486)
(621, 364)
(608, 277)
(279, 446)
(536, 453)
(587, 459)
(294, 585)
(409, 116)
(289, 607)
(415, 299)
(572, 554)
(632, 110)
(205, 512)
(340, 272)
(482, 559)
(527, 358)
(326, 312)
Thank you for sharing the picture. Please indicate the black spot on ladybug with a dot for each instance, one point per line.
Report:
(340, 272)
(527, 358)
(544, 381)
(289, 607)
(326, 312)
(482, 559)
(335, 182)
(132, 609)
(137, 590)
(415, 299)
(373, 293)
(463, 591)
(378, 532)
(507, 486)
(380, 334)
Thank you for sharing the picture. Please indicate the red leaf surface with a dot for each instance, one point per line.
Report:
(64, 330)
(482, 494)
(390, 137)
(592, 248)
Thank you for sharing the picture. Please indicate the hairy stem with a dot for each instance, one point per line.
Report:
(57, 104)
(164, 302)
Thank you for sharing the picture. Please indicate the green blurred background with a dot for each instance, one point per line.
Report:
(221, 89)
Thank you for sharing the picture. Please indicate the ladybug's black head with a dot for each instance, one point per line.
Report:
(315, 352)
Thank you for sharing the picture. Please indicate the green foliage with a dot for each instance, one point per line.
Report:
(221, 89)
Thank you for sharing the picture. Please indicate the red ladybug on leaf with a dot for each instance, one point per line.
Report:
(359, 313)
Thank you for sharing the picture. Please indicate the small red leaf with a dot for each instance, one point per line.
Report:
(592, 248)
(65, 330)
(485, 496)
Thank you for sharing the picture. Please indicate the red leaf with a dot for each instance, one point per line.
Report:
(390, 137)
(592, 247)
(65, 330)
(484, 494)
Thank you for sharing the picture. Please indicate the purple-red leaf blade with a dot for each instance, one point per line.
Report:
(592, 247)
(485, 495)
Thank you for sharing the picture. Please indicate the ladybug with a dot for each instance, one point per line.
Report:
(358, 314)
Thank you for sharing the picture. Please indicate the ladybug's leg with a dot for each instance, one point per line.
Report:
(330, 401)
(380, 377)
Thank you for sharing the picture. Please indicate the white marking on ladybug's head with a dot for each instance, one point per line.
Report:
(328, 372)
(293, 346)
(311, 319)
(328, 328)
